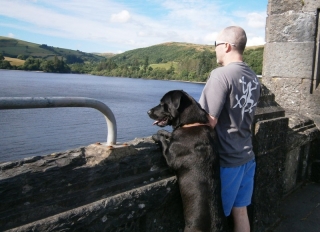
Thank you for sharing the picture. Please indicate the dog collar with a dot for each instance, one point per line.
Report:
(195, 124)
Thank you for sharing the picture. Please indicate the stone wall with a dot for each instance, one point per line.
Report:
(94, 188)
(291, 68)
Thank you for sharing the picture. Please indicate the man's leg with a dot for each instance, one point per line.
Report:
(240, 219)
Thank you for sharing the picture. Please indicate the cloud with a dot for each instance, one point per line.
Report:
(210, 38)
(10, 35)
(256, 20)
(112, 25)
(255, 41)
(122, 17)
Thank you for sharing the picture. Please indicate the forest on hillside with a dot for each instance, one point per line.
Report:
(170, 61)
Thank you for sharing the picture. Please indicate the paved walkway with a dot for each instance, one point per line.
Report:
(300, 211)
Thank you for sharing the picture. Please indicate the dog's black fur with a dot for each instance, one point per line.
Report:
(190, 152)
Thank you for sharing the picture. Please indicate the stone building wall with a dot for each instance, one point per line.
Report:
(291, 69)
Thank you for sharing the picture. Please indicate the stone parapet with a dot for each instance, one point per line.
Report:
(302, 131)
(299, 161)
(149, 208)
(269, 136)
(36, 188)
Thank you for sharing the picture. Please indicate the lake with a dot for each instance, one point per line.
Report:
(33, 132)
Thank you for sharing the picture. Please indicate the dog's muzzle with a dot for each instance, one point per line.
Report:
(162, 122)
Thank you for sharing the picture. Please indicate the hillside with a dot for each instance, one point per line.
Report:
(13, 48)
(165, 52)
(168, 52)
(174, 61)
(183, 61)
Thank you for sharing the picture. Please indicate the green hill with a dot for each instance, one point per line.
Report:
(183, 61)
(13, 48)
(175, 61)
(165, 52)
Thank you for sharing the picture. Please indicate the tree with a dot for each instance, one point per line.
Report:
(31, 64)
(71, 59)
(55, 66)
(22, 57)
(4, 64)
(171, 69)
(146, 63)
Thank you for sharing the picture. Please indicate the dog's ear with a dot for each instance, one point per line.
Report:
(175, 99)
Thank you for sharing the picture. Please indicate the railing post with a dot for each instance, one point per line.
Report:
(7, 103)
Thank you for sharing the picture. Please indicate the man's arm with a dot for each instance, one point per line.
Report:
(212, 120)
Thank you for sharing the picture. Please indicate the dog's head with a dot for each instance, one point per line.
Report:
(177, 108)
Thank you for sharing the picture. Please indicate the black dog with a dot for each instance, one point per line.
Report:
(189, 150)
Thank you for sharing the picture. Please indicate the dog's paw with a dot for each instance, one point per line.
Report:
(156, 138)
(164, 133)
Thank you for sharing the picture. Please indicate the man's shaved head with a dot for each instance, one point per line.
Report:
(235, 35)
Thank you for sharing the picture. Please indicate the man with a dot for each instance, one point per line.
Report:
(230, 97)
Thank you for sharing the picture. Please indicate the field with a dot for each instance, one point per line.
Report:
(14, 61)
(164, 65)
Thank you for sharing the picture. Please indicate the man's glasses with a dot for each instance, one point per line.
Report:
(216, 44)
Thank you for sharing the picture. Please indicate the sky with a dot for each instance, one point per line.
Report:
(115, 26)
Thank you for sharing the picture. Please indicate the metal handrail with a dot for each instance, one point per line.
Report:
(7, 103)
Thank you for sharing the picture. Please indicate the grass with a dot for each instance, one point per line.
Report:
(13, 47)
(14, 61)
(164, 65)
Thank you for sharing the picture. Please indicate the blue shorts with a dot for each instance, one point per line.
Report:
(237, 186)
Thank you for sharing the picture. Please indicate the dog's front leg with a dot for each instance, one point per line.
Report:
(164, 133)
(161, 133)
(165, 152)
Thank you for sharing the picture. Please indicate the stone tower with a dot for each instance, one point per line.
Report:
(291, 64)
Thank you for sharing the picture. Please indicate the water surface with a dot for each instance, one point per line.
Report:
(30, 132)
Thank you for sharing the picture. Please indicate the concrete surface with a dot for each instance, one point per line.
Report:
(300, 211)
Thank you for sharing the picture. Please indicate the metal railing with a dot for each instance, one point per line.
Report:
(7, 103)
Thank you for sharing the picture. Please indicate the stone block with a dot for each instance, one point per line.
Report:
(304, 164)
(301, 132)
(287, 91)
(290, 60)
(311, 101)
(294, 94)
(315, 174)
(269, 135)
(291, 169)
(281, 6)
(311, 5)
(291, 27)
(268, 191)
(267, 107)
